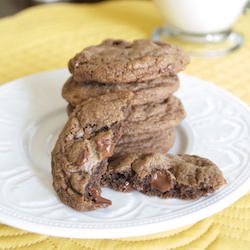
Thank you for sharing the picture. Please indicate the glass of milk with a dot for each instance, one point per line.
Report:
(204, 22)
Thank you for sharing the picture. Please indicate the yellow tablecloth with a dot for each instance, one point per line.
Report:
(45, 37)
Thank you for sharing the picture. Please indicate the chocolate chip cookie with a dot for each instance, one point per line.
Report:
(161, 143)
(79, 158)
(119, 61)
(164, 175)
(154, 117)
(155, 91)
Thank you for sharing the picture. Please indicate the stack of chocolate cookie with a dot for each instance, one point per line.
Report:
(146, 68)
(122, 116)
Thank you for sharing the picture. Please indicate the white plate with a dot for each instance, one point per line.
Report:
(32, 112)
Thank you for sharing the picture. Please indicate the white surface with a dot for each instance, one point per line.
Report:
(201, 16)
(32, 113)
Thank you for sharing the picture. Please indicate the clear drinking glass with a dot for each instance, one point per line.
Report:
(204, 27)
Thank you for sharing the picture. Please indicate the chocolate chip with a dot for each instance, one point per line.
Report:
(102, 201)
(98, 199)
(162, 181)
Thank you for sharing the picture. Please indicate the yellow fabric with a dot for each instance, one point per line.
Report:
(45, 37)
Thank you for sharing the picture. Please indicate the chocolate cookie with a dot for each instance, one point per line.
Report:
(170, 107)
(154, 117)
(164, 175)
(162, 144)
(79, 158)
(162, 134)
(118, 61)
(156, 90)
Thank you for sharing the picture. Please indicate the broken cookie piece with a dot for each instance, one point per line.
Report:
(79, 158)
(165, 175)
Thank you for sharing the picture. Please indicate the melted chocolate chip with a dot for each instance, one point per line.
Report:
(162, 181)
(103, 201)
(98, 199)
